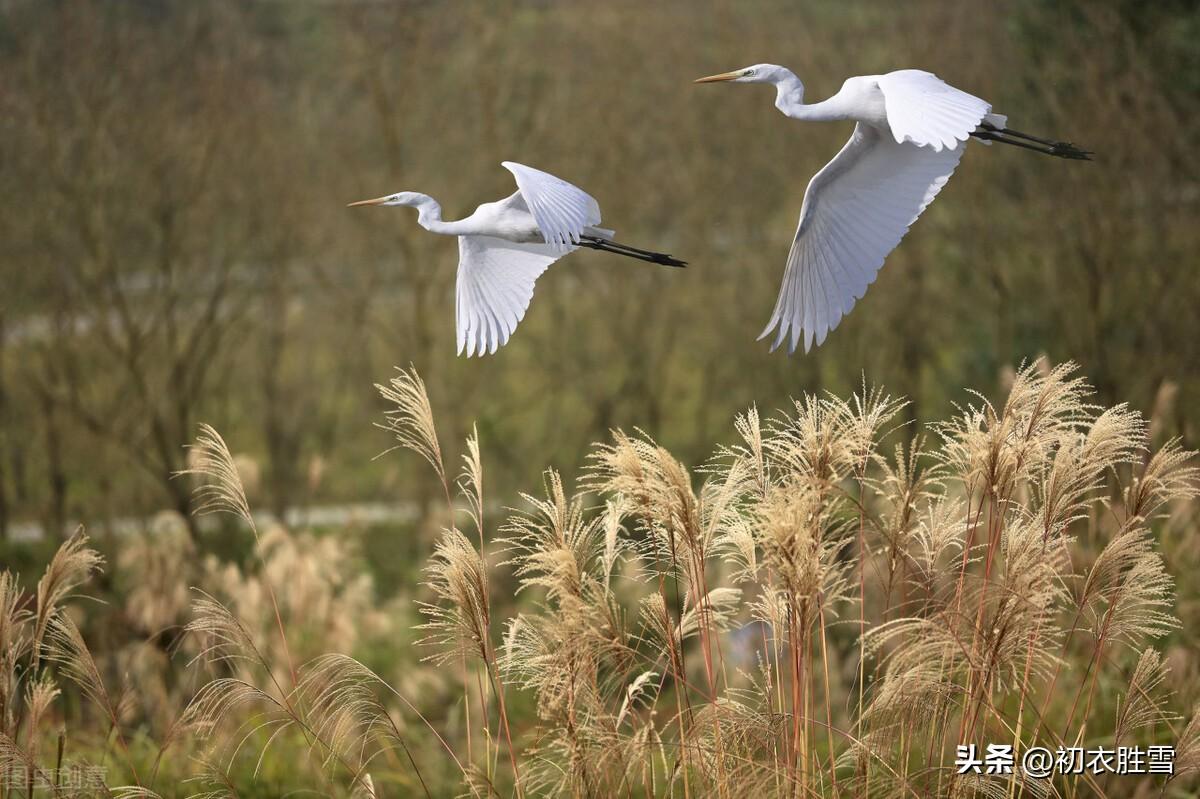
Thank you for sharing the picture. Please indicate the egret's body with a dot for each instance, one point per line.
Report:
(504, 246)
(910, 134)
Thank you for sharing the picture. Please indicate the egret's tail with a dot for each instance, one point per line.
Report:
(987, 132)
(599, 232)
(608, 245)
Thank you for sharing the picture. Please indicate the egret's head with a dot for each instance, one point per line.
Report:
(759, 73)
(401, 198)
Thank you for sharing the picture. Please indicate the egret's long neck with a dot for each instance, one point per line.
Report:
(789, 98)
(789, 92)
(429, 216)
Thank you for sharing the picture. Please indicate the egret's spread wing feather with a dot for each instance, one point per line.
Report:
(495, 285)
(514, 202)
(924, 109)
(561, 210)
(856, 210)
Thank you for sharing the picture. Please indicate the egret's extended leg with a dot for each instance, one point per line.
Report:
(606, 245)
(1060, 149)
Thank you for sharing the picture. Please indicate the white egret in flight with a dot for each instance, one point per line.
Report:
(504, 247)
(910, 134)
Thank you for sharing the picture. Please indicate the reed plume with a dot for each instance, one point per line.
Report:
(829, 606)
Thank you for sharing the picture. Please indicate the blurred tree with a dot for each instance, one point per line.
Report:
(148, 277)
(174, 175)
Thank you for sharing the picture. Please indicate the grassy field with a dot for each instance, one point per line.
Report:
(660, 630)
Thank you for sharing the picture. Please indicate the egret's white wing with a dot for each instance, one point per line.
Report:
(927, 111)
(561, 210)
(856, 210)
(495, 285)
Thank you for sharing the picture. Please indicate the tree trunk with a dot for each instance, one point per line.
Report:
(56, 477)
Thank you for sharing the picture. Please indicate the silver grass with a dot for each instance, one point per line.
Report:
(66, 648)
(459, 622)
(684, 631)
(220, 489)
(1143, 704)
(1187, 748)
(72, 565)
(410, 421)
(1128, 595)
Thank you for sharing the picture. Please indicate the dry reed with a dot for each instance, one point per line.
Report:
(810, 613)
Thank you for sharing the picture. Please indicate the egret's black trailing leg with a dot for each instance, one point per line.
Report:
(607, 245)
(1016, 138)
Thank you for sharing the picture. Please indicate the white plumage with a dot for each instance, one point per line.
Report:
(494, 287)
(910, 133)
(505, 246)
(856, 210)
(562, 211)
(925, 110)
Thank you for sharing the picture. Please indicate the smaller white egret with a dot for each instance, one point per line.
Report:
(911, 131)
(505, 246)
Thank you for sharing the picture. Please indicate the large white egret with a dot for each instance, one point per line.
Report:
(911, 131)
(505, 246)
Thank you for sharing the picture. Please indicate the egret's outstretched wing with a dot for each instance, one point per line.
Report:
(495, 284)
(561, 210)
(856, 210)
(925, 110)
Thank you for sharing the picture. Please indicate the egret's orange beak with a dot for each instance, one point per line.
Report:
(376, 201)
(737, 73)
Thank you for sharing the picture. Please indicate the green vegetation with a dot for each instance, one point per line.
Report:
(666, 638)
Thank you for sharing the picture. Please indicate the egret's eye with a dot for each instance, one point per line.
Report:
(747, 73)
